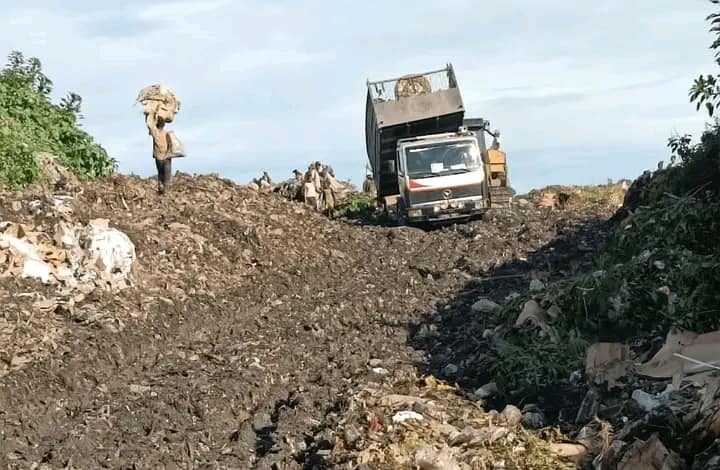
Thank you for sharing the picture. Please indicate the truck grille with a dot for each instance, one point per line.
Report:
(437, 195)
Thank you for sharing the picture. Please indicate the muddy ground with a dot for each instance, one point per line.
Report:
(252, 324)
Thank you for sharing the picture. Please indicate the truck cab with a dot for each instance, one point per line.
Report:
(441, 177)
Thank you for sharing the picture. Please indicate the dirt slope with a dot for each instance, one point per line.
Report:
(252, 325)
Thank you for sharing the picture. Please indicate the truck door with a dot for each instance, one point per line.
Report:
(401, 173)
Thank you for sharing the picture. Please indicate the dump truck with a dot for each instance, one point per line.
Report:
(428, 161)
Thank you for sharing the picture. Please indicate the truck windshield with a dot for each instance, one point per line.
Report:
(443, 158)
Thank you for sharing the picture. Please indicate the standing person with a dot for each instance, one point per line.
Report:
(314, 170)
(309, 192)
(328, 193)
(369, 185)
(496, 140)
(161, 149)
(298, 185)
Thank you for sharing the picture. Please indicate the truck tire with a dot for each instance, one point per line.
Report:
(401, 218)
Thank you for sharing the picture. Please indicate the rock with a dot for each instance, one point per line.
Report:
(522, 202)
(380, 371)
(428, 458)
(573, 452)
(485, 306)
(451, 370)
(351, 434)
(512, 415)
(607, 363)
(647, 401)
(262, 421)
(533, 419)
(589, 407)
(486, 391)
(536, 285)
(134, 388)
(375, 362)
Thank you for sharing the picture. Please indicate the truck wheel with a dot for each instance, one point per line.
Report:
(401, 218)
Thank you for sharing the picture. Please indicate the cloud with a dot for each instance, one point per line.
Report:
(277, 84)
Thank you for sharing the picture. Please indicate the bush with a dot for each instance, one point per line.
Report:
(361, 206)
(659, 270)
(31, 123)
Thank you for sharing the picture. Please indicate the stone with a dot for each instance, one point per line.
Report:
(485, 306)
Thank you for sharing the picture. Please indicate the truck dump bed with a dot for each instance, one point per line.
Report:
(424, 106)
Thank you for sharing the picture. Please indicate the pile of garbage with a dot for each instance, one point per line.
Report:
(611, 195)
(431, 426)
(73, 256)
(292, 188)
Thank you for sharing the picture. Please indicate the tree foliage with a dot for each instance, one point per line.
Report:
(706, 88)
(31, 123)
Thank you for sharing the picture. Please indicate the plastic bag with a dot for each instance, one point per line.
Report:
(177, 149)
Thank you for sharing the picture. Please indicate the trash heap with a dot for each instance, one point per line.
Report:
(75, 256)
(292, 188)
(428, 425)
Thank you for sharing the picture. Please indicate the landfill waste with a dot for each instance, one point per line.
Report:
(69, 255)
(290, 351)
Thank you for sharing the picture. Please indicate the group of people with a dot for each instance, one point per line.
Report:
(318, 188)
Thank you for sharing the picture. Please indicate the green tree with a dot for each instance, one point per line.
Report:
(31, 123)
(706, 88)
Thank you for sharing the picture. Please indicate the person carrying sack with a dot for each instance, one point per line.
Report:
(161, 106)
(161, 150)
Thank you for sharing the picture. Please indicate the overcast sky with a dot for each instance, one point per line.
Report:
(582, 91)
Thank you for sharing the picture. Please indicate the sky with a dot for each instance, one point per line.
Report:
(581, 91)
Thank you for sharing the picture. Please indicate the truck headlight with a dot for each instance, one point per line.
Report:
(414, 213)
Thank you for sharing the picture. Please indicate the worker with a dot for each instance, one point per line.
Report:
(328, 192)
(161, 148)
(309, 192)
(298, 186)
(496, 140)
(265, 182)
(369, 184)
(314, 172)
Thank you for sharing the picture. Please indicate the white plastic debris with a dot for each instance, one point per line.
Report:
(37, 269)
(113, 251)
(404, 416)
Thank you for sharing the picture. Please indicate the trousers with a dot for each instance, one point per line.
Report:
(164, 171)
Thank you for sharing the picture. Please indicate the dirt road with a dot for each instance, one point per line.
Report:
(251, 325)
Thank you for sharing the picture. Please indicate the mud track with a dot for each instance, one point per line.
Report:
(251, 323)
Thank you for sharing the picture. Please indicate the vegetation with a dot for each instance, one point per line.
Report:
(360, 207)
(30, 123)
(660, 269)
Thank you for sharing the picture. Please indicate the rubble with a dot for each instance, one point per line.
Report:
(259, 348)
(70, 256)
(607, 363)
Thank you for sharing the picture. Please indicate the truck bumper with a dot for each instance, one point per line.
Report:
(446, 210)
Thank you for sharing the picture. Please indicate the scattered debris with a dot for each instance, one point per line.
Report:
(607, 363)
